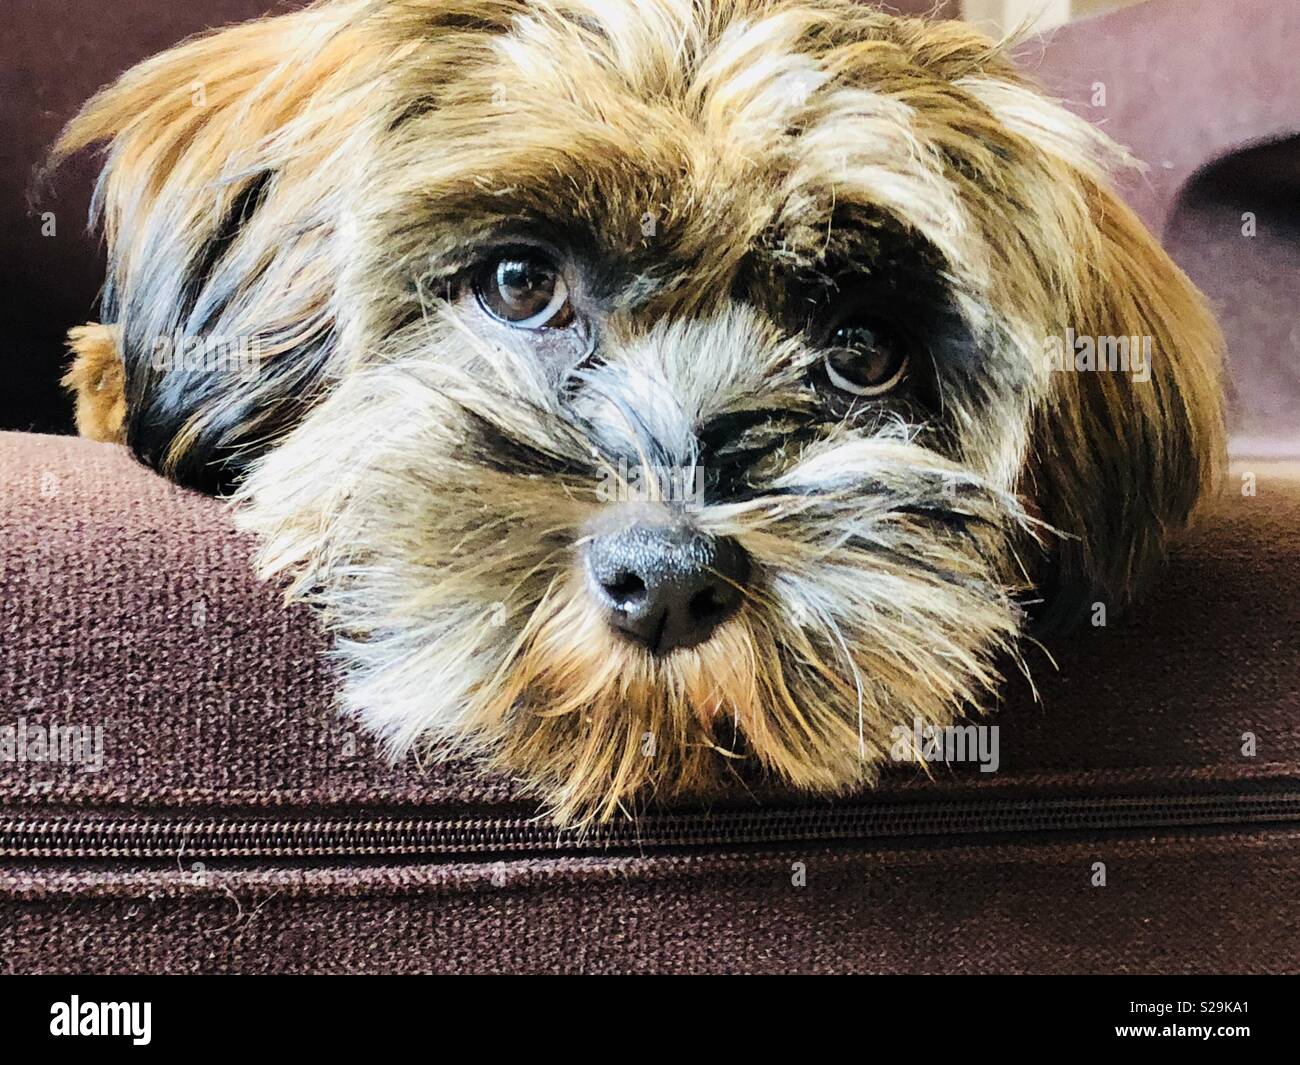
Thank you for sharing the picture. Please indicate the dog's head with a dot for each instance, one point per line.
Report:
(644, 384)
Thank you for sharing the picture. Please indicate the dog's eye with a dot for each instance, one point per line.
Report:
(864, 359)
(526, 291)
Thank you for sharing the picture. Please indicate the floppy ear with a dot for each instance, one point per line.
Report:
(1118, 457)
(1120, 461)
(226, 161)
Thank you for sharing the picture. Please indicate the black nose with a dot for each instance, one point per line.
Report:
(666, 586)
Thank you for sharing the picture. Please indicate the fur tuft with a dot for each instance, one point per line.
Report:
(97, 380)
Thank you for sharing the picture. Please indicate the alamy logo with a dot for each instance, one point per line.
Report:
(1077, 353)
(102, 1018)
(652, 484)
(81, 745)
(925, 742)
(178, 353)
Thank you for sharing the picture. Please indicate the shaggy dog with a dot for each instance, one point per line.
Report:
(638, 386)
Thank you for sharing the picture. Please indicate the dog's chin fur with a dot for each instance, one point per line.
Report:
(445, 548)
(429, 479)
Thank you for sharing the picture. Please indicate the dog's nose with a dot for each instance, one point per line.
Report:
(666, 586)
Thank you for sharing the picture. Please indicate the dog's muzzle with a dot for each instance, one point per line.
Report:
(661, 582)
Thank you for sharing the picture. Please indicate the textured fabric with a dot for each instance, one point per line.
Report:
(1219, 904)
(128, 603)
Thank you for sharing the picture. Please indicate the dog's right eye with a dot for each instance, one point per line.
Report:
(525, 291)
(865, 359)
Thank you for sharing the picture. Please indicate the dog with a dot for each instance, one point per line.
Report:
(647, 391)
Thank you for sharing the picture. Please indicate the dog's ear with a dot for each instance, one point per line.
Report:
(1119, 455)
(1121, 458)
(225, 171)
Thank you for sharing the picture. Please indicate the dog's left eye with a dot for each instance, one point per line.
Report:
(525, 291)
(864, 359)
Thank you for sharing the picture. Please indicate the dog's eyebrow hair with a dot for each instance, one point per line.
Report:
(862, 246)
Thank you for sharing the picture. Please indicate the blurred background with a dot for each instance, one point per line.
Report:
(1205, 92)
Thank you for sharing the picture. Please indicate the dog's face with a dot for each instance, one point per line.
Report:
(648, 385)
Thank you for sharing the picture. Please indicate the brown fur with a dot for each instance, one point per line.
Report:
(418, 473)
(98, 381)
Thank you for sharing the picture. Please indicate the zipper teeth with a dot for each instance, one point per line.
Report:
(97, 836)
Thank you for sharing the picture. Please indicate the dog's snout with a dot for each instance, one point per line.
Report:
(666, 586)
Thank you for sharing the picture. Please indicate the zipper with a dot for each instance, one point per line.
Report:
(98, 836)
